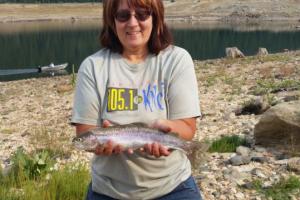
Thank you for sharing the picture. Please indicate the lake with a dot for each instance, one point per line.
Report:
(29, 45)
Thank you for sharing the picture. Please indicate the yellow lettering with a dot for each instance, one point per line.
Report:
(121, 100)
(113, 99)
(130, 99)
(108, 100)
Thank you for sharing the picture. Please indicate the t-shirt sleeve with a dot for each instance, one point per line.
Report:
(87, 102)
(183, 98)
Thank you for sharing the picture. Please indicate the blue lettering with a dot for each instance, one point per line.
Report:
(158, 99)
(153, 98)
(146, 99)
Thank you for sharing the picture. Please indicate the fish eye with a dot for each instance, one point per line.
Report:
(79, 139)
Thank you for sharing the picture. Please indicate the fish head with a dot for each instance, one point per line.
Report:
(86, 141)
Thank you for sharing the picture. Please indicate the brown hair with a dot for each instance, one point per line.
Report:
(160, 37)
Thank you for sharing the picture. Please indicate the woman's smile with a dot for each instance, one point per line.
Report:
(133, 32)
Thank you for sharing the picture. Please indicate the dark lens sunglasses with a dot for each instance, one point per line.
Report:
(140, 15)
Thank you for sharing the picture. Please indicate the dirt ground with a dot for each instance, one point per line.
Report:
(183, 10)
(48, 12)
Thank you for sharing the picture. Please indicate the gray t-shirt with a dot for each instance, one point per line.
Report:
(161, 87)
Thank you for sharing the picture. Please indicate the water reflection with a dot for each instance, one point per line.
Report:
(37, 26)
(7, 72)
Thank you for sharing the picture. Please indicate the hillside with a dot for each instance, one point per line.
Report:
(198, 10)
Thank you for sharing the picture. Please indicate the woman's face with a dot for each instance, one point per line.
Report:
(135, 32)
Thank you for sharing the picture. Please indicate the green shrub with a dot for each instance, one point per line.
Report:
(69, 183)
(26, 166)
(281, 190)
(227, 144)
(32, 179)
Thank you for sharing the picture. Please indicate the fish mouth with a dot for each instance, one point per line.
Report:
(74, 140)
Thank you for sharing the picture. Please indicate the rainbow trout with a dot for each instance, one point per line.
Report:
(132, 136)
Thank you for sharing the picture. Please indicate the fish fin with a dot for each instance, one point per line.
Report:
(139, 124)
(197, 152)
(135, 124)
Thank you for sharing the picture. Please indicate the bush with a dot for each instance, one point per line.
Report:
(281, 190)
(227, 144)
(26, 166)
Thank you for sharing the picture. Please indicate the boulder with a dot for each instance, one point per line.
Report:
(239, 160)
(243, 151)
(293, 164)
(233, 52)
(280, 127)
(262, 51)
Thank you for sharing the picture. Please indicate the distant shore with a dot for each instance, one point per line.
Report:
(93, 11)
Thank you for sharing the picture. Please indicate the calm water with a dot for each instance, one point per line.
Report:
(26, 46)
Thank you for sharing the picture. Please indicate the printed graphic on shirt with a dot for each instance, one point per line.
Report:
(153, 98)
(127, 99)
(121, 99)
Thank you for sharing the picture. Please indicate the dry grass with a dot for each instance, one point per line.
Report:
(287, 71)
(45, 138)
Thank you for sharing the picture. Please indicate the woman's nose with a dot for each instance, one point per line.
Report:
(132, 20)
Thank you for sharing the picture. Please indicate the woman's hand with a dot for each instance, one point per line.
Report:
(185, 128)
(108, 149)
(155, 148)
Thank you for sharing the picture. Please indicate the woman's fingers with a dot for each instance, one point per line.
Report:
(148, 148)
(106, 123)
(164, 151)
(99, 150)
(156, 149)
(108, 148)
(130, 151)
(118, 149)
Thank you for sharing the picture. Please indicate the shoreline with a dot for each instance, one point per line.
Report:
(33, 25)
(168, 18)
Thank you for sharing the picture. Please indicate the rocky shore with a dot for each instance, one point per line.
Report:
(35, 113)
(229, 11)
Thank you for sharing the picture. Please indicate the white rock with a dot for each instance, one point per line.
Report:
(240, 195)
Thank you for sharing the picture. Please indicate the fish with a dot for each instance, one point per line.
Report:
(133, 136)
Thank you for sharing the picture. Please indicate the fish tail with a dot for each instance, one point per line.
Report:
(196, 152)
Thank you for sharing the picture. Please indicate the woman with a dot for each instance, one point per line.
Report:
(138, 77)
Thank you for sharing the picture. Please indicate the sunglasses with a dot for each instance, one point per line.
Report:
(140, 15)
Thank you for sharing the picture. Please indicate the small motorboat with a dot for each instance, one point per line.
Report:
(52, 68)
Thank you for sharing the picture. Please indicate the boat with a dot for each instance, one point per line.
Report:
(52, 68)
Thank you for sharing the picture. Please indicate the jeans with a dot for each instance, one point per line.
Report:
(187, 190)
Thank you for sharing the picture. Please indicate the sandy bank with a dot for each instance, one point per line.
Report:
(183, 10)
